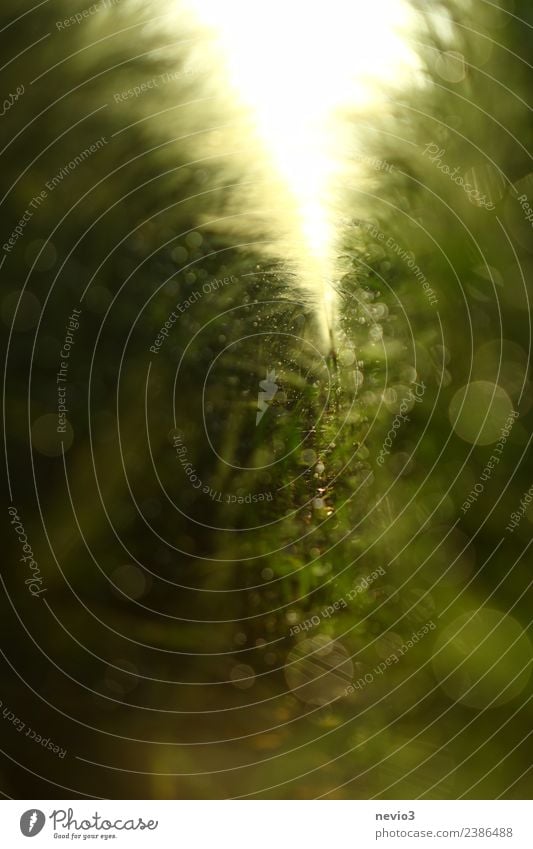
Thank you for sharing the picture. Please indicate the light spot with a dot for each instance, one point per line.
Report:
(131, 580)
(47, 258)
(347, 357)
(318, 670)
(45, 437)
(483, 655)
(451, 66)
(308, 457)
(27, 310)
(478, 412)
(243, 676)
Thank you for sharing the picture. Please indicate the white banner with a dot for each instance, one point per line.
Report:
(267, 824)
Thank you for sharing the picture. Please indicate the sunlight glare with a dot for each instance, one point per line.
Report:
(299, 67)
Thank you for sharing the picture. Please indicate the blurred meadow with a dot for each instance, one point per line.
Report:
(267, 400)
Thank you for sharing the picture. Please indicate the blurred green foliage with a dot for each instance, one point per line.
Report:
(160, 650)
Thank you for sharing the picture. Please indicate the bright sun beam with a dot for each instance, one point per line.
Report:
(299, 68)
